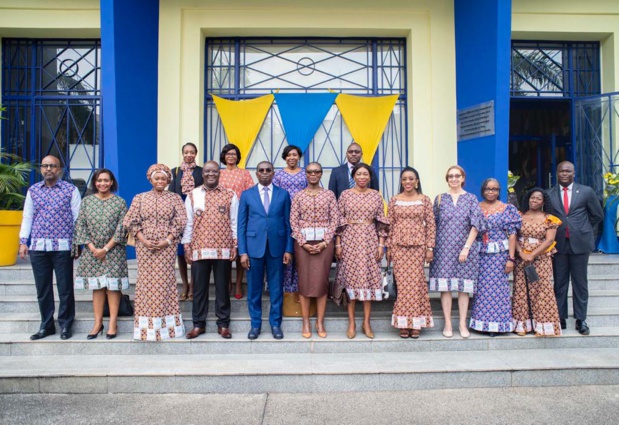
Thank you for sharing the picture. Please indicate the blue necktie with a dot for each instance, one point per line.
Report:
(351, 181)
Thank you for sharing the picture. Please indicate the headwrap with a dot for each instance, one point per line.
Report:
(187, 182)
(159, 168)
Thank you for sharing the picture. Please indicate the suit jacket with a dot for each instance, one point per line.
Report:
(177, 176)
(585, 213)
(256, 227)
(340, 180)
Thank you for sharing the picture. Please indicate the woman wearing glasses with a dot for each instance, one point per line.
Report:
(184, 179)
(492, 309)
(359, 246)
(293, 180)
(314, 216)
(237, 179)
(456, 256)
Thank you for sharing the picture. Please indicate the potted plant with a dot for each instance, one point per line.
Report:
(13, 180)
(609, 243)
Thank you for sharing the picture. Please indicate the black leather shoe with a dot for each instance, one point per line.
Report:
(253, 333)
(66, 333)
(277, 332)
(42, 334)
(563, 324)
(581, 327)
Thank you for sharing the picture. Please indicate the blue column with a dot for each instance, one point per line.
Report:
(129, 61)
(483, 46)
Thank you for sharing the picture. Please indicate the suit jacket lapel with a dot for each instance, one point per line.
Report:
(259, 199)
(575, 196)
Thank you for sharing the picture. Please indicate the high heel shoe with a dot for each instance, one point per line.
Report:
(351, 334)
(367, 332)
(96, 334)
(110, 336)
(322, 334)
(307, 335)
(464, 333)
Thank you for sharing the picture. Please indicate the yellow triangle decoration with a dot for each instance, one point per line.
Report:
(366, 119)
(242, 120)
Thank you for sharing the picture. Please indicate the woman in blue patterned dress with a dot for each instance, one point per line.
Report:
(492, 308)
(293, 180)
(456, 255)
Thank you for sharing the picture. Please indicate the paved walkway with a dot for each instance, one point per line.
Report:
(597, 405)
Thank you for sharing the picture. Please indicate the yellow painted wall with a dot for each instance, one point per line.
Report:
(427, 25)
(573, 20)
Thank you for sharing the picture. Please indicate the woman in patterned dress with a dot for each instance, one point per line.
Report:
(292, 178)
(157, 219)
(456, 256)
(314, 216)
(237, 179)
(535, 246)
(410, 244)
(492, 307)
(184, 179)
(359, 246)
(103, 262)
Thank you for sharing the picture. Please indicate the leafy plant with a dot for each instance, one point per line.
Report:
(13, 180)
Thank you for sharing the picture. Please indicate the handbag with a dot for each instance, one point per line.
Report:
(292, 305)
(337, 293)
(390, 289)
(531, 274)
(124, 309)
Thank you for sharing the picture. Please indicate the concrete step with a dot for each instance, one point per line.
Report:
(293, 342)
(26, 287)
(14, 323)
(313, 372)
(83, 303)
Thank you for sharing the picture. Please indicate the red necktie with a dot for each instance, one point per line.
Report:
(566, 207)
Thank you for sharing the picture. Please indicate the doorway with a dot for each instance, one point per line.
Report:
(540, 137)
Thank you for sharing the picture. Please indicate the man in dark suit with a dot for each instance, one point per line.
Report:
(580, 211)
(265, 242)
(341, 180)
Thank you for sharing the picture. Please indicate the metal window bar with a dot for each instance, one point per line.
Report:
(375, 67)
(51, 89)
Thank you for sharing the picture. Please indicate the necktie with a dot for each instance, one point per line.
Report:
(351, 181)
(566, 207)
(266, 202)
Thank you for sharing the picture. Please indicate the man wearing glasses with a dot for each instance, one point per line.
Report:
(50, 211)
(265, 242)
(341, 178)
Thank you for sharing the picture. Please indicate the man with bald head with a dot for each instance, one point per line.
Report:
(265, 243)
(50, 211)
(579, 209)
(210, 243)
(341, 178)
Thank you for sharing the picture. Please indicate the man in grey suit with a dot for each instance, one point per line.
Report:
(579, 209)
(341, 180)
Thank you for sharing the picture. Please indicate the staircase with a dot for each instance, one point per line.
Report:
(210, 364)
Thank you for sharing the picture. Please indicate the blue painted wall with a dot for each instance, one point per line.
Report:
(129, 61)
(483, 45)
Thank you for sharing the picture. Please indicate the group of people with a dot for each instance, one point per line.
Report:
(291, 229)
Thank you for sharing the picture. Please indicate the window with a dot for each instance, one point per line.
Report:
(247, 68)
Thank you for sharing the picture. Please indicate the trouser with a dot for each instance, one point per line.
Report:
(571, 265)
(44, 265)
(200, 276)
(275, 278)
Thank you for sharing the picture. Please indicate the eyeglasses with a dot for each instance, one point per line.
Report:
(51, 166)
(230, 153)
(265, 170)
(210, 171)
(310, 172)
(454, 176)
(354, 151)
(492, 189)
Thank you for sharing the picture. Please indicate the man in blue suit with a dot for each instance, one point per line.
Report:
(265, 241)
(341, 180)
